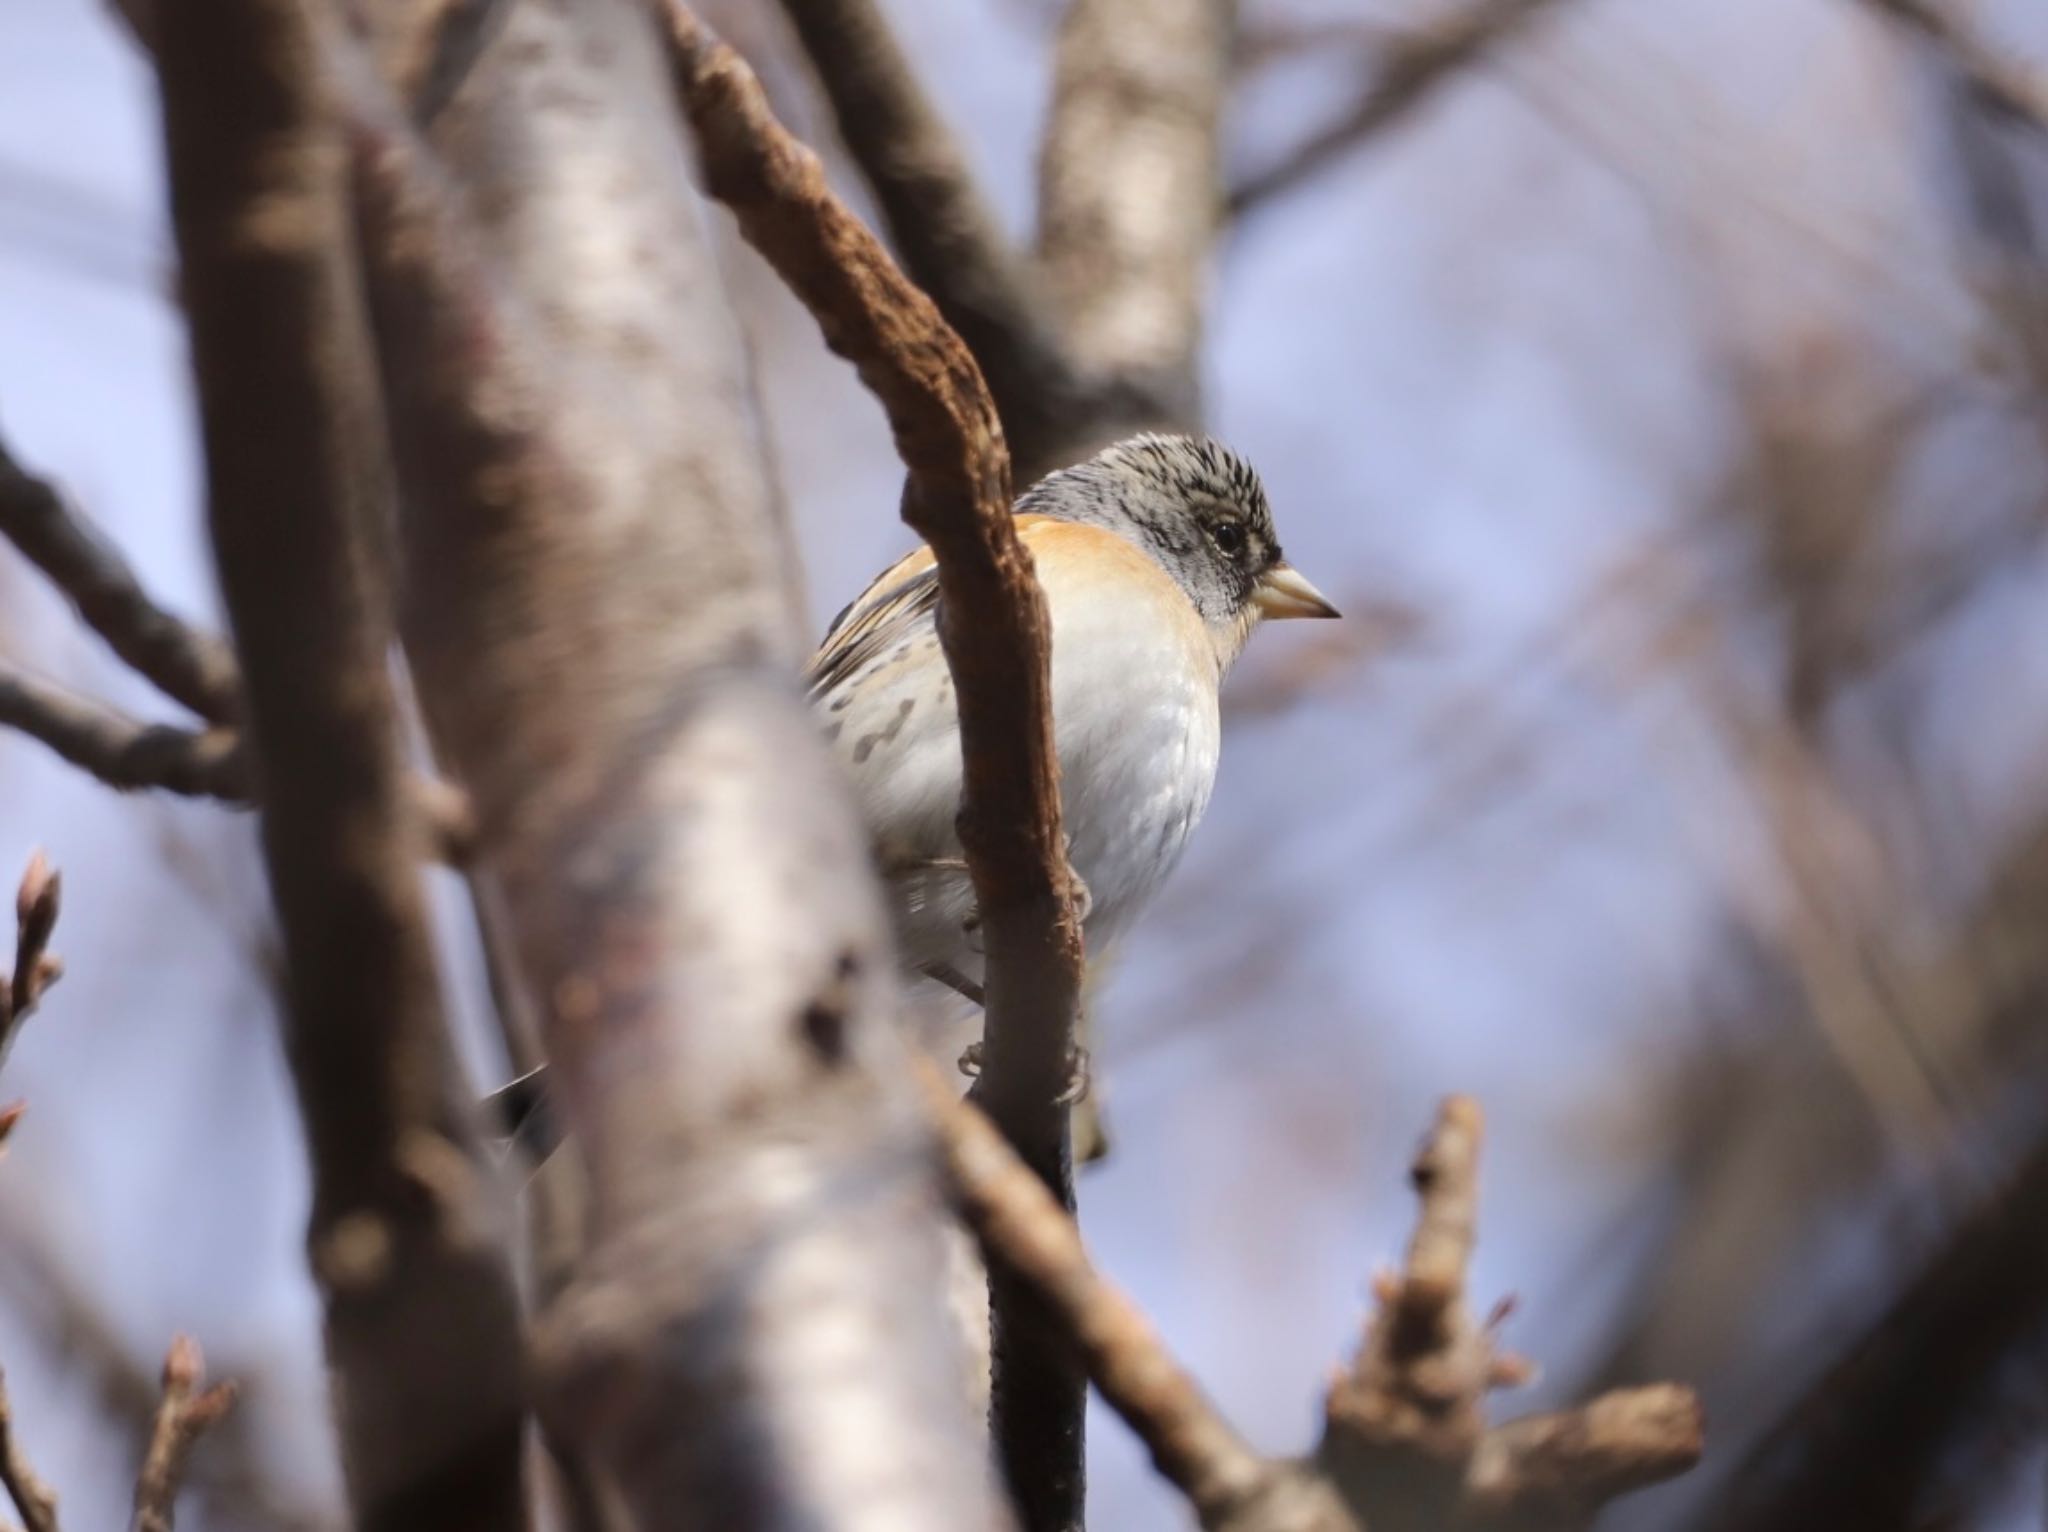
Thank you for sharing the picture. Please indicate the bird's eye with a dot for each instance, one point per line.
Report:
(1229, 537)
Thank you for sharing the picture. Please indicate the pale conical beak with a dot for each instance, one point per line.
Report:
(1283, 591)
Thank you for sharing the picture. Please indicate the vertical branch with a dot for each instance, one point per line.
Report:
(1130, 197)
(403, 1236)
(958, 498)
(603, 625)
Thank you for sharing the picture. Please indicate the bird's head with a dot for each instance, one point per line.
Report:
(1200, 509)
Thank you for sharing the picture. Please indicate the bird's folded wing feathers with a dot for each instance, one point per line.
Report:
(896, 604)
(880, 616)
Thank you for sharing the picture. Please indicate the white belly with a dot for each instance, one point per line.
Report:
(1137, 733)
(1138, 737)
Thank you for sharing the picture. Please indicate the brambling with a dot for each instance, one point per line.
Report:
(1157, 557)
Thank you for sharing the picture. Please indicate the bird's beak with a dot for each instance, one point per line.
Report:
(1283, 591)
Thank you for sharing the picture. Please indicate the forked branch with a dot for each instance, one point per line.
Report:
(184, 1414)
(1406, 1443)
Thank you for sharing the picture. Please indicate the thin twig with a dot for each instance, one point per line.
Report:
(34, 1499)
(124, 752)
(1410, 69)
(184, 1414)
(189, 666)
(132, 756)
(958, 499)
(35, 969)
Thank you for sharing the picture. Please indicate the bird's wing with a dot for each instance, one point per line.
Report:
(899, 601)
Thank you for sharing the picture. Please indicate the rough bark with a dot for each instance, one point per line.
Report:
(601, 618)
(405, 1237)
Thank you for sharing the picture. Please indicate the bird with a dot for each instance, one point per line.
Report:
(1158, 557)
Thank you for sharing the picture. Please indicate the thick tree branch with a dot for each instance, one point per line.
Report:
(186, 665)
(1130, 190)
(124, 752)
(942, 228)
(184, 1414)
(404, 1238)
(602, 621)
(958, 499)
(1410, 70)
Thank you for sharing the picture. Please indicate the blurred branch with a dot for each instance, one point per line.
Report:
(186, 665)
(601, 601)
(939, 222)
(184, 1414)
(403, 1237)
(2002, 87)
(1406, 1444)
(124, 752)
(1411, 67)
(34, 1499)
(958, 499)
(1129, 187)
(1405, 1435)
(35, 968)
(1860, 1444)
(1022, 1227)
(131, 756)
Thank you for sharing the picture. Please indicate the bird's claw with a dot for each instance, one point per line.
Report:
(1072, 1093)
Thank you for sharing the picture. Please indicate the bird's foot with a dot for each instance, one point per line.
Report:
(1072, 1093)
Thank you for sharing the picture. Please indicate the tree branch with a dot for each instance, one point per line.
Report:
(1130, 187)
(602, 622)
(186, 665)
(1410, 70)
(1024, 1229)
(405, 1241)
(1406, 1444)
(942, 228)
(1405, 1435)
(34, 1499)
(185, 1413)
(124, 752)
(2001, 87)
(958, 499)
(35, 969)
